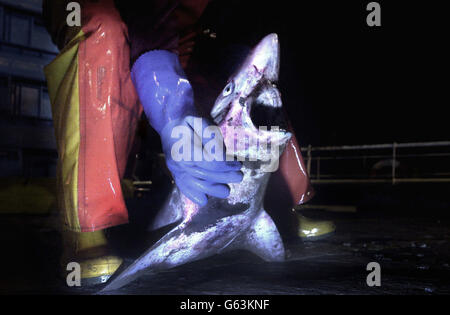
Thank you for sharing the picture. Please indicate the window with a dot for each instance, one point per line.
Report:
(5, 104)
(19, 31)
(29, 101)
(25, 30)
(46, 109)
(25, 99)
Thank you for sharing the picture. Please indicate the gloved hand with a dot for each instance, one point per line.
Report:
(167, 98)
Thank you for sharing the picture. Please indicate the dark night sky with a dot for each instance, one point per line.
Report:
(343, 82)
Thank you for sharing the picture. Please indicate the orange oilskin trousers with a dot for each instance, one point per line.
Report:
(95, 112)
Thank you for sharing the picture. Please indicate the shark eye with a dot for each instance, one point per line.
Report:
(228, 89)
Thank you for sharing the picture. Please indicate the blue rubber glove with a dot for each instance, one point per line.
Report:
(168, 102)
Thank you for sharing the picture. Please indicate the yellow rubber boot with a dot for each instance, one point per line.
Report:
(90, 250)
(309, 229)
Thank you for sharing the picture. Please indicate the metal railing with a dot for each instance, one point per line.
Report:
(417, 162)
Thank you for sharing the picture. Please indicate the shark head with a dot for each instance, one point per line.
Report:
(249, 109)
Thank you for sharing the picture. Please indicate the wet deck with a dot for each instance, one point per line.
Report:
(413, 251)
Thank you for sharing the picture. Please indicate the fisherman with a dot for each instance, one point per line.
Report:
(125, 58)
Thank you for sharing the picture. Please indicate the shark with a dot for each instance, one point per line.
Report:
(248, 113)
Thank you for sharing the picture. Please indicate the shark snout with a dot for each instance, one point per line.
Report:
(266, 57)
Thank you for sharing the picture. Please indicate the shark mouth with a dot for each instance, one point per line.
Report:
(265, 107)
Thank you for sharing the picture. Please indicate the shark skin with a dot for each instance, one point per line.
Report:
(239, 221)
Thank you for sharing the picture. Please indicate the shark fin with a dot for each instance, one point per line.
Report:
(169, 213)
(262, 239)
